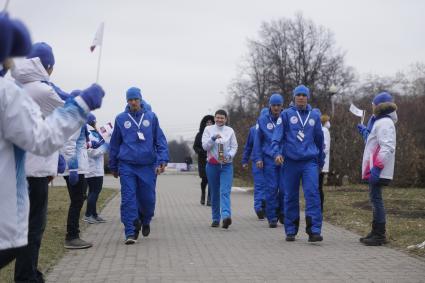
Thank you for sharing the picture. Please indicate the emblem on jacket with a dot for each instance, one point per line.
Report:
(269, 126)
(294, 119)
(279, 121)
(127, 124)
(311, 122)
(146, 123)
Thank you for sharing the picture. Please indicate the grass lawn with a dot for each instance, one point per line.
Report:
(349, 207)
(52, 245)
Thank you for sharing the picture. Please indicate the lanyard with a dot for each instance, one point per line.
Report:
(140, 122)
(274, 125)
(301, 120)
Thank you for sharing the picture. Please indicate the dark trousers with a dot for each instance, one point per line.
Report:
(375, 197)
(27, 257)
(322, 194)
(77, 195)
(204, 183)
(95, 187)
(6, 256)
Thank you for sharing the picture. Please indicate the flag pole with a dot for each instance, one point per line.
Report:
(6, 5)
(98, 63)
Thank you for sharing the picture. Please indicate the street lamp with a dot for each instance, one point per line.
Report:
(332, 91)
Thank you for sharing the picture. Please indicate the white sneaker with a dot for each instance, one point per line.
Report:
(90, 220)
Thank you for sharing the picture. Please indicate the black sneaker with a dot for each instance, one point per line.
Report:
(215, 224)
(130, 240)
(315, 238)
(137, 226)
(226, 223)
(366, 237)
(77, 244)
(260, 214)
(375, 240)
(146, 229)
(290, 238)
(272, 224)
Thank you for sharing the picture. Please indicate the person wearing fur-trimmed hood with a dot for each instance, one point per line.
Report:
(378, 161)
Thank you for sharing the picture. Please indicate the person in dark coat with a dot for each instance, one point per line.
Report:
(202, 157)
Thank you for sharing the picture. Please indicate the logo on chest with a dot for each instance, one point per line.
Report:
(270, 126)
(311, 122)
(127, 124)
(146, 123)
(294, 119)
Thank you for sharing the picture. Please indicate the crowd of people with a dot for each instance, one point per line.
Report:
(290, 148)
(46, 132)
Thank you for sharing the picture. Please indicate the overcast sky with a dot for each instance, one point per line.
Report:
(184, 54)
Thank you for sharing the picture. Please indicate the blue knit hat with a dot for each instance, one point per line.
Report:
(276, 99)
(15, 39)
(91, 119)
(382, 98)
(301, 89)
(43, 51)
(134, 93)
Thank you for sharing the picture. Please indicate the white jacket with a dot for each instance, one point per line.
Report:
(22, 128)
(326, 148)
(96, 162)
(75, 148)
(380, 149)
(228, 139)
(29, 74)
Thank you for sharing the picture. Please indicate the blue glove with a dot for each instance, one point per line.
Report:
(92, 96)
(374, 175)
(73, 177)
(61, 164)
(363, 131)
(95, 144)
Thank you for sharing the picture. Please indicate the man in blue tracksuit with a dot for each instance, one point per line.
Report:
(299, 134)
(263, 156)
(257, 173)
(138, 152)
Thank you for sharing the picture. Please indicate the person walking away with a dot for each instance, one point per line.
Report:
(326, 124)
(207, 120)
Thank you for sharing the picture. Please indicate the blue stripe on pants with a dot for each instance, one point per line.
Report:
(137, 194)
(220, 179)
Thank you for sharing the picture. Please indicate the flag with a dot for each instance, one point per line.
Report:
(356, 111)
(98, 38)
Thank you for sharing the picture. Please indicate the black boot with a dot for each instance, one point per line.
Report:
(203, 197)
(208, 198)
(370, 233)
(378, 238)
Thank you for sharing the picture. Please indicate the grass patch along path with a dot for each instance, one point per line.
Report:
(349, 207)
(53, 239)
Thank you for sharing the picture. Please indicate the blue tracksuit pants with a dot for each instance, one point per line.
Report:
(137, 194)
(307, 172)
(220, 179)
(259, 188)
(272, 179)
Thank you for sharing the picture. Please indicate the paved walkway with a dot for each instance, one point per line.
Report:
(183, 248)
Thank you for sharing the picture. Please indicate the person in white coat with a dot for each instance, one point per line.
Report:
(378, 161)
(33, 75)
(77, 165)
(326, 124)
(219, 141)
(94, 177)
(23, 129)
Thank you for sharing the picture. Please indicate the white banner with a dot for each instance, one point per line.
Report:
(356, 111)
